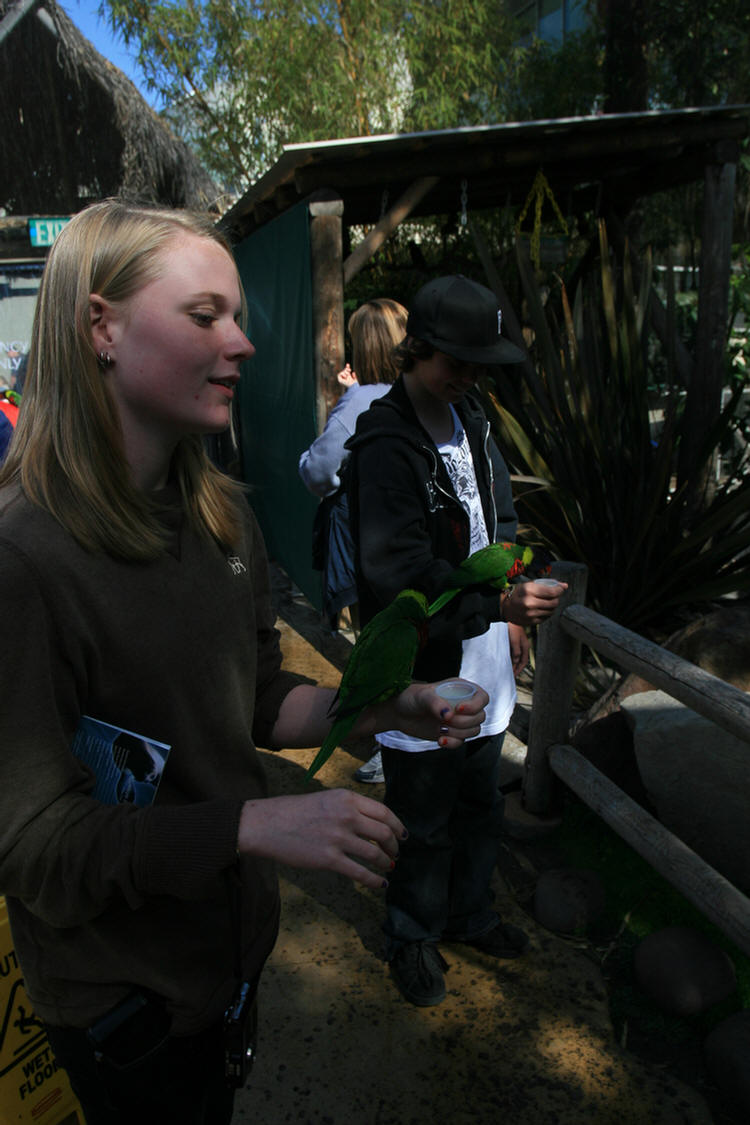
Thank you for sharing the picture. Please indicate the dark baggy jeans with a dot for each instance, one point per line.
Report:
(181, 1084)
(450, 803)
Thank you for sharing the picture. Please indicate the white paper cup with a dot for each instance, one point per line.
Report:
(546, 582)
(455, 691)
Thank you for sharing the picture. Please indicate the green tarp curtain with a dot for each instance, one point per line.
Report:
(276, 399)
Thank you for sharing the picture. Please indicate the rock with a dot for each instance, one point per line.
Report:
(695, 775)
(608, 745)
(609, 703)
(682, 971)
(568, 900)
(727, 1050)
(719, 643)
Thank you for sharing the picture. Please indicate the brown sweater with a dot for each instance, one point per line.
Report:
(183, 650)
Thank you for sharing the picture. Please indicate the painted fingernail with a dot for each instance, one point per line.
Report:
(443, 730)
(444, 712)
(384, 884)
(442, 742)
(404, 835)
(460, 709)
(393, 864)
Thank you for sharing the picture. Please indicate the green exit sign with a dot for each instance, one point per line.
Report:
(43, 232)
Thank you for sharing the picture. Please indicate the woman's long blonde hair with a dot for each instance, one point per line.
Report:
(375, 329)
(67, 451)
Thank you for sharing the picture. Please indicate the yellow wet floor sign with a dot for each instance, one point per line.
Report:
(33, 1088)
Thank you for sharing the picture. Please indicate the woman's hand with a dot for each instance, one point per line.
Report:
(346, 377)
(529, 603)
(420, 712)
(336, 830)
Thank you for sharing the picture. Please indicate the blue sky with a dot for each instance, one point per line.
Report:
(83, 13)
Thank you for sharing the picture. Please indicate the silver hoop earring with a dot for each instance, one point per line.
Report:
(105, 360)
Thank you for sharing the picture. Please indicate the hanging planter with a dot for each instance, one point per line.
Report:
(552, 250)
(547, 250)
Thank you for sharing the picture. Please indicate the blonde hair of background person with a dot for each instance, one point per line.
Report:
(375, 329)
(68, 449)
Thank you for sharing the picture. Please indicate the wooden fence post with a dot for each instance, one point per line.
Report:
(557, 657)
(327, 302)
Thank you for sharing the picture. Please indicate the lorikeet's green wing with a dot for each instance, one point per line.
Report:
(380, 666)
(495, 565)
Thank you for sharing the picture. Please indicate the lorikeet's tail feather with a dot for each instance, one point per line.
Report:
(336, 734)
(447, 595)
(439, 602)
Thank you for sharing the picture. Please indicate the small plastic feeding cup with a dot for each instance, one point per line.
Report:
(455, 691)
(546, 582)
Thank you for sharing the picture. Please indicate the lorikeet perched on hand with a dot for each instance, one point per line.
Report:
(380, 666)
(494, 565)
(382, 660)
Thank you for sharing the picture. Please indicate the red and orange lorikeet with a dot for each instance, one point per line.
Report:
(494, 566)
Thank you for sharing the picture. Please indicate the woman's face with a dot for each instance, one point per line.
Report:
(177, 348)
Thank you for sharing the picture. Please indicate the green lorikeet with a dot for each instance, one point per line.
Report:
(380, 666)
(494, 565)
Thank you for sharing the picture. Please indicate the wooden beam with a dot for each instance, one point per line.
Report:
(715, 699)
(711, 697)
(327, 302)
(705, 887)
(14, 15)
(554, 679)
(372, 242)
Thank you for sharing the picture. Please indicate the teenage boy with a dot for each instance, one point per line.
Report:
(428, 487)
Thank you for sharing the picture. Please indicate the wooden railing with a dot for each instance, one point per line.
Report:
(549, 756)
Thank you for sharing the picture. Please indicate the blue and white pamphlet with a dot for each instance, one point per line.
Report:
(127, 766)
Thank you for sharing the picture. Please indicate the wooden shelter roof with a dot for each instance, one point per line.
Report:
(73, 128)
(622, 155)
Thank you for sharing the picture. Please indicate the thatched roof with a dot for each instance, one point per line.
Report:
(73, 128)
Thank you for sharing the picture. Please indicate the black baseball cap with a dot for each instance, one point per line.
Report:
(461, 318)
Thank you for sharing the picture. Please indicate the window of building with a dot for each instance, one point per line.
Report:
(550, 20)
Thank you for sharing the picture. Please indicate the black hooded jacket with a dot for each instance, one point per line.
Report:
(409, 527)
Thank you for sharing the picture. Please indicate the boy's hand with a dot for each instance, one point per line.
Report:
(519, 648)
(529, 603)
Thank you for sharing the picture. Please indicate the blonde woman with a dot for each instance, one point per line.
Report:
(375, 329)
(135, 591)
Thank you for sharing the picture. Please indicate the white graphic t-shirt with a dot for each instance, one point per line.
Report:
(486, 658)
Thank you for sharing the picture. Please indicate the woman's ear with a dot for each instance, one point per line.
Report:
(101, 315)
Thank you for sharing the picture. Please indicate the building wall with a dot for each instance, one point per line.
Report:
(19, 285)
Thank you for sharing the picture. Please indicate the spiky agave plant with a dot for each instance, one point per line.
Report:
(593, 483)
